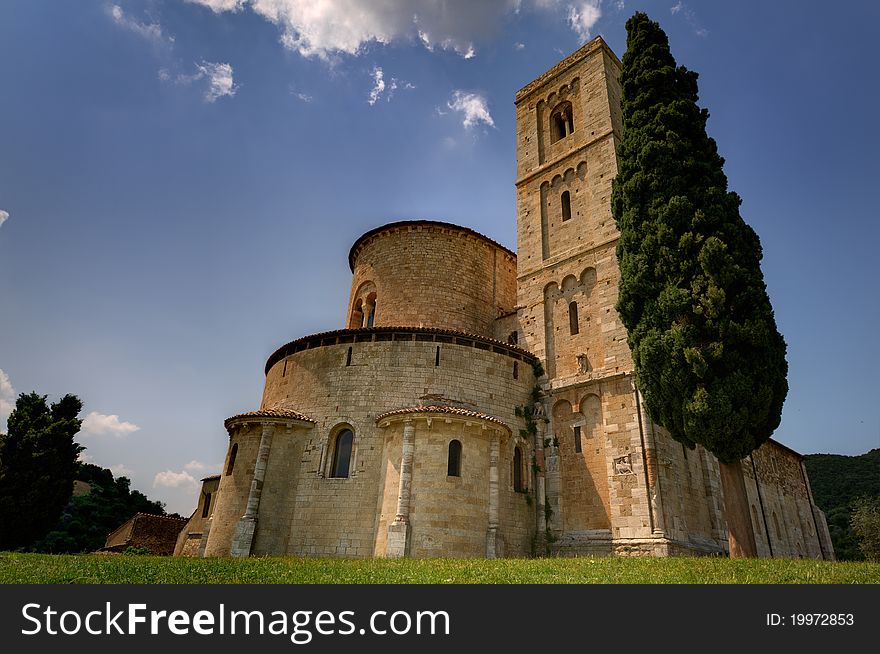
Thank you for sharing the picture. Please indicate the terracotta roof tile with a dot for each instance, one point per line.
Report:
(271, 412)
(454, 410)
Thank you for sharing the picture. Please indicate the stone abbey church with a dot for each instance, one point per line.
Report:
(481, 402)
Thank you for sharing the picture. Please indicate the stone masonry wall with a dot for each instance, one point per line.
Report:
(425, 274)
(314, 514)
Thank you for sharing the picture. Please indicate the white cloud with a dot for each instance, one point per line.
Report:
(220, 82)
(519, 46)
(7, 398)
(304, 97)
(325, 28)
(4, 216)
(198, 466)
(378, 85)
(99, 424)
(218, 76)
(171, 479)
(85, 457)
(690, 17)
(121, 470)
(583, 16)
(150, 31)
(473, 108)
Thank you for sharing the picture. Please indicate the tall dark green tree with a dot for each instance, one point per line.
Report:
(709, 359)
(38, 463)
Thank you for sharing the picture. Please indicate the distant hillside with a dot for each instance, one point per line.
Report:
(836, 481)
(100, 503)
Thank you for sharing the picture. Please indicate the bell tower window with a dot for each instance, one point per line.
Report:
(561, 122)
(566, 206)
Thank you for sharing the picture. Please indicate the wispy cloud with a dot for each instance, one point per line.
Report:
(4, 216)
(583, 16)
(519, 46)
(151, 31)
(99, 424)
(473, 108)
(7, 397)
(171, 479)
(380, 86)
(121, 470)
(328, 28)
(200, 467)
(218, 79)
(690, 17)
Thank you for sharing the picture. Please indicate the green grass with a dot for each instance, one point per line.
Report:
(102, 569)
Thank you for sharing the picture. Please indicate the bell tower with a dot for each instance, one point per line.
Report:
(568, 127)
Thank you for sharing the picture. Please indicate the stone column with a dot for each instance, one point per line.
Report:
(243, 537)
(652, 469)
(540, 488)
(492, 535)
(398, 531)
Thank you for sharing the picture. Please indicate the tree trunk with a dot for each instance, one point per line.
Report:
(741, 535)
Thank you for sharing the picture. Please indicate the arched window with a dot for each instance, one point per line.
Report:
(573, 318)
(342, 454)
(231, 464)
(453, 464)
(517, 470)
(206, 507)
(561, 122)
(566, 206)
(372, 317)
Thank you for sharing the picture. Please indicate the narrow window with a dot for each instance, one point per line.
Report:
(231, 464)
(573, 318)
(348, 357)
(372, 317)
(517, 470)
(577, 438)
(453, 463)
(342, 454)
(284, 369)
(566, 206)
(513, 338)
(437, 357)
(206, 507)
(561, 122)
(515, 370)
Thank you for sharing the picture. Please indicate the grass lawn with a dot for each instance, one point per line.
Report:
(123, 569)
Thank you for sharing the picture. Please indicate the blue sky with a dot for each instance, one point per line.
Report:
(180, 183)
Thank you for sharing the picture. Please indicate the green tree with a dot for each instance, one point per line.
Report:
(709, 359)
(38, 462)
(87, 519)
(866, 526)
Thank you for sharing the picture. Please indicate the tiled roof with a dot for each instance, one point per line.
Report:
(454, 410)
(272, 412)
(401, 224)
(290, 348)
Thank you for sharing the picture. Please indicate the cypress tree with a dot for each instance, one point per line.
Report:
(38, 463)
(708, 357)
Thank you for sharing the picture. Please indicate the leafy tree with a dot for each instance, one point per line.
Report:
(88, 518)
(866, 526)
(838, 481)
(709, 359)
(37, 466)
